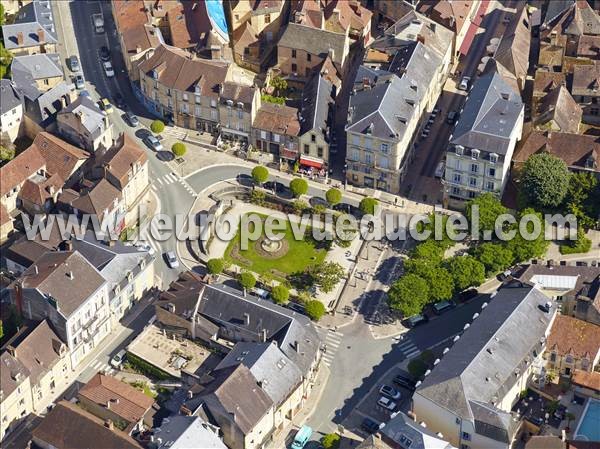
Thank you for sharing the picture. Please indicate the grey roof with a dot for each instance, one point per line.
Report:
(12, 373)
(43, 107)
(314, 41)
(315, 106)
(555, 8)
(285, 326)
(480, 368)
(490, 115)
(39, 66)
(91, 117)
(10, 97)
(406, 433)
(187, 432)
(559, 105)
(31, 18)
(277, 375)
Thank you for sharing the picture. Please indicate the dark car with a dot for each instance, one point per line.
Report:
(467, 295)
(416, 320)
(74, 64)
(452, 117)
(119, 100)
(104, 53)
(443, 306)
(369, 425)
(404, 382)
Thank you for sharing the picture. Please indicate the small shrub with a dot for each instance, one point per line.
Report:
(319, 209)
(280, 294)
(247, 280)
(178, 149)
(260, 174)
(157, 126)
(367, 205)
(333, 196)
(299, 187)
(215, 266)
(315, 309)
(331, 441)
(257, 197)
(300, 206)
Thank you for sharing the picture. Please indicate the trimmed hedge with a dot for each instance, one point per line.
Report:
(146, 368)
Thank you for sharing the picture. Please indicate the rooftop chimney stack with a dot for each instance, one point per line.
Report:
(20, 38)
(41, 35)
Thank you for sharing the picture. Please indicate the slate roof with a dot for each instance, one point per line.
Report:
(315, 105)
(314, 41)
(88, 113)
(480, 367)
(558, 105)
(42, 107)
(546, 81)
(234, 392)
(571, 336)
(277, 375)
(513, 50)
(125, 401)
(176, 70)
(10, 97)
(401, 429)
(39, 66)
(67, 426)
(52, 279)
(489, 116)
(12, 373)
(32, 17)
(185, 432)
(586, 79)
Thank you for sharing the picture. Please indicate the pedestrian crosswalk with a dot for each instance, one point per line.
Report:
(99, 366)
(409, 349)
(168, 179)
(333, 340)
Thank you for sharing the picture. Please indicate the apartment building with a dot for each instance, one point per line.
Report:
(33, 30)
(238, 106)
(63, 287)
(468, 396)
(586, 90)
(275, 130)
(182, 88)
(16, 401)
(11, 110)
(83, 124)
(44, 69)
(572, 344)
(482, 144)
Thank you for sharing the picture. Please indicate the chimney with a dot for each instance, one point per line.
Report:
(70, 275)
(109, 424)
(35, 270)
(263, 335)
(68, 245)
(247, 319)
(420, 38)
(41, 35)
(331, 53)
(171, 307)
(108, 407)
(20, 38)
(215, 52)
(190, 394)
(138, 49)
(297, 346)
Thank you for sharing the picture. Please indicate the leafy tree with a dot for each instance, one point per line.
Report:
(326, 275)
(257, 197)
(490, 208)
(299, 187)
(215, 266)
(581, 245)
(333, 196)
(545, 180)
(441, 283)
(331, 441)
(300, 206)
(260, 174)
(279, 84)
(524, 249)
(280, 294)
(583, 199)
(178, 149)
(314, 309)
(5, 60)
(495, 257)
(157, 126)
(247, 280)
(6, 154)
(1, 18)
(409, 295)
(266, 98)
(466, 271)
(446, 242)
(429, 250)
(1, 330)
(367, 205)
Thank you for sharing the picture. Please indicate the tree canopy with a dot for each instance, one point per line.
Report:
(466, 271)
(333, 196)
(545, 180)
(583, 199)
(247, 280)
(495, 257)
(299, 187)
(280, 294)
(314, 309)
(178, 149)
(157, 126)
(215, 266)
(326, 275)
(408, 295)
(260, 174)
(367, 205)
(490, 208)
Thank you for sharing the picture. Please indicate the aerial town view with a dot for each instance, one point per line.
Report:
(300, 224)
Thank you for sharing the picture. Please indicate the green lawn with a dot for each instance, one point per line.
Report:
(300, 254)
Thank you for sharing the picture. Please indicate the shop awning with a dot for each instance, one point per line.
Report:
(311, 162)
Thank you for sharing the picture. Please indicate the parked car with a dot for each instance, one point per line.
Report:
(105, 105)
(404, 382)
(132, 119)
(390, 392)
(443, 306)
(108, 69)
(84, 93)
(171, 259)
(386, 403)
(464, 83)
(104, 53)
(153, 143)
(79, 81)
(369, 425)
(118, 359)
(74, 64)
(452, 117)
(425, 133)
(439, 170)
(416, 320)
(467, 295)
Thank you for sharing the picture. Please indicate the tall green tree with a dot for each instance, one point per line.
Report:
(299, 187)
(5, 60)
(408, 295)
(247, 280)
(524, 249)
(466, 271)
(429, 250)
(583, 199)
(326, 275)
(314, 309)
(545, 180)
(333, 196)
(367, 205)
(260, 174)
(279, 84)
(489, 207)
(280, 294)
(495, 257)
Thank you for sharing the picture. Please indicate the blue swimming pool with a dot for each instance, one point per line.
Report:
(215, 11)
(589, 426)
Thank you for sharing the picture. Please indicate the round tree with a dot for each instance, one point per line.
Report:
(280, 294)
(333, 196)
(408, 295)
(215, 266)
(178, 149)
(466, 272)
(495, 257)
(247, 280)
(367, 205)
(331, 441)
(545, 180)
(260, 174)
(315, 309)
(488, 207)
(299, 187)
(157, 126)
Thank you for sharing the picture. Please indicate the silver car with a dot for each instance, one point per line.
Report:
(153, 143)
(79, 81)
(171, 259)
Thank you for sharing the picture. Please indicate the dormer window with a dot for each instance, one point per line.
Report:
(155, 74)
(493, 158)
(197, 89)
(459, 149)
(475, 153)
(229, 103)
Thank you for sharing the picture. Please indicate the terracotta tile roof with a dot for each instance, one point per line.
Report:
(588, 47)
(4, 215)
(278, 119)
(341, 15)
(61, 157)
(122, 157)
(551, 55)
(131, 20)
(586, 379)
(570, 336)
(184, 73)
(451, 14)
(20, 168)
(574, 149)
(586, 79)
(12, 373)
(546, 81)
(38, 192)
(188, 26)
(125, 401)
(67, 426)
(558, 105)
(100, 198)
(238, 93)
